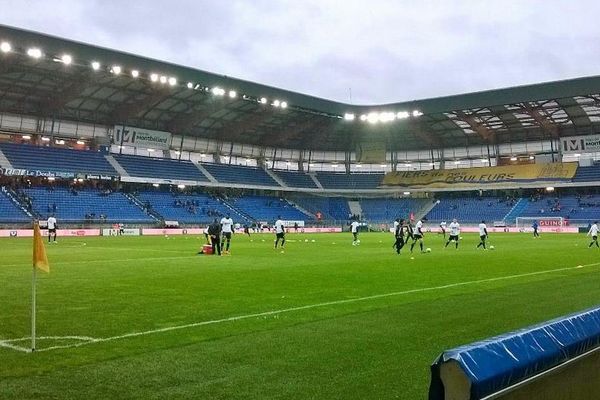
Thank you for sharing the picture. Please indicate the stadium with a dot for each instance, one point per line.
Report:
(136, 157)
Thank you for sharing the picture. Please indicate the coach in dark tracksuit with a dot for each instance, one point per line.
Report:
(214, 231)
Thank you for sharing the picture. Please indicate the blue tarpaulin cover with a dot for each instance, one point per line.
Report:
(499, 362)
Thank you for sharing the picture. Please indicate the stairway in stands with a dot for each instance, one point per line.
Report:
(516, 211)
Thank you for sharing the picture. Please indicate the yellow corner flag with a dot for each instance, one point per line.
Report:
(40, 260)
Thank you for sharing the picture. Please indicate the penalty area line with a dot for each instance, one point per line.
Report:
(90, 340)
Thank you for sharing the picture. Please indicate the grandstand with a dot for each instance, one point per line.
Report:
(169, 149)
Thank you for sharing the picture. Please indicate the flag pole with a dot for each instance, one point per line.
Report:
(33, 295)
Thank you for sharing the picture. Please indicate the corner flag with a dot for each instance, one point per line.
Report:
(40, 260)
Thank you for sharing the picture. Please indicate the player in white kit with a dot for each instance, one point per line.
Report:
(226, 232)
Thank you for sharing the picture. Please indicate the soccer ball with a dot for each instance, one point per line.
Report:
(492, 247)
(428, 250)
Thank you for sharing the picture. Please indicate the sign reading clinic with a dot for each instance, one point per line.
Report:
(138, 137)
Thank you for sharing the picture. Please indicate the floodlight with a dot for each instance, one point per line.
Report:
(116, 69)
(276, 103)
(155, 185)
(283, 104)
(163, 79)
(172, 81)
(363, 117)
(232, 94)
(406, 193)
(51, 178)
(373, 117)
(45, 139)
(5, 47)
(576, 155)
(457, 162)
(59, 141)
(358, 166)
(150, 150)
(513, 158)
(135, 73)
(417, 113)
(484, 160)
(263, 100)
(181, 186)
(531, 157)
(550, 189)
(217, 91)
(349, 117)
(34, 52)
(80, 142)
(95, 65)
(402, 115)
(26, 137)
(66, 59)
(154, 77)
(190, 85)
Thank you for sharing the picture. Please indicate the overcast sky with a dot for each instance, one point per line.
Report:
(385, 51)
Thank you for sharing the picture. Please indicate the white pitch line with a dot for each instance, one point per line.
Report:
(306, 307)
(6, 344)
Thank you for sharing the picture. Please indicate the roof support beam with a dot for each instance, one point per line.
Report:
(483, 131)
(541, 120)
(137, 105)
(72, 90)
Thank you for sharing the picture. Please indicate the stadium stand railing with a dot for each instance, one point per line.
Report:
(11, 211)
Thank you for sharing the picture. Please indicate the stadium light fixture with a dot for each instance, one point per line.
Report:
(373, 117)
(263, 100)
(550, 189)
(26, 137)
(513, 158)
(283, 104)
(59, 141)
(177, 152)
(80, 142)
(484, 160)
(181, 186)
(51, 178)
(402, 115)
(190, 85)
(217, 91)
(358, 166)
(95, 65)
(387, 116)
(349, 117)
(576, 155)
(135, 73)
(276, 103)
(172, 81)
(34, 52)
(155, 185)
(163, 79)
(334, 165)
(531, 157)
(5, 47)
(154, 77)
(406, 193)
(45, 139)
(150, 150)
(457, 162)
(383, 165)
(417, 113)
(66, 59)
(115, 69)
(363, 117)
(202, 155)
(79, 180)
(232, 94)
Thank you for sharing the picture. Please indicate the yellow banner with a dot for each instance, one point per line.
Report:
(484, 176)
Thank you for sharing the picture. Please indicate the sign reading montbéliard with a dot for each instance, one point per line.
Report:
(138, 137)
(581, 144)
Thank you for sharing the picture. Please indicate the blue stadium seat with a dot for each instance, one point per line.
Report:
(226, 173)
(189, 208)
(471, 209)
(332, 208)
(267, 209)
(387, 210)
(160, 168)
(331, 180)
(587, 174)
(54, 159)
(296, 179)
(10, 212)
(580, 207)
(73, 208)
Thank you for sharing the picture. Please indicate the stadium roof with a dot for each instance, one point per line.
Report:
(198, 103)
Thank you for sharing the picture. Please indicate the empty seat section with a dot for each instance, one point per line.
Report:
(188, 208)
(331, 208)
(331, 180)
(296, 179)
(56, 159)
(579, 207)
(469, 209)
(267, 209)
(387, 210)
(226, 173)
(10, 212)
(587, 174)
(73, 208)
(160, 168)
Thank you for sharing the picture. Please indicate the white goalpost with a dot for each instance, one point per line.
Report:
(545, 224)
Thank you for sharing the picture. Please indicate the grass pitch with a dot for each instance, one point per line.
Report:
(147, 318)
